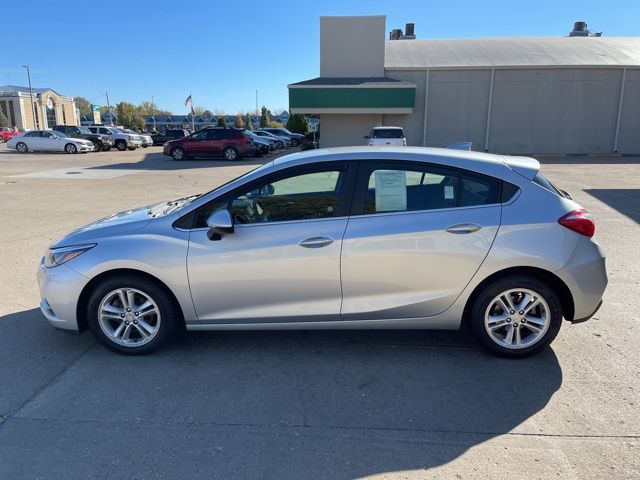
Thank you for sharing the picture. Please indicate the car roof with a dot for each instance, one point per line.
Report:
(487, 163)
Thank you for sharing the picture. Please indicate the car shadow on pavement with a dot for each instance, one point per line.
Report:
(289, 404)
(158, 161)
(626, 201)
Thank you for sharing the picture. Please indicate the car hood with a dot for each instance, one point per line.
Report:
(111, 225)
(122, 222)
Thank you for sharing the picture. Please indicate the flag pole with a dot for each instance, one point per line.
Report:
(193, 120)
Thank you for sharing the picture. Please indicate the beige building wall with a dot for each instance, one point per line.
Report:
(65, 111)
(340, 130)
(352, 46)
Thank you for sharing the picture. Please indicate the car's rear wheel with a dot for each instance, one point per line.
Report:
(121, 145)
(70, 148)
(230, 153)
(280, 144)
(131, 315)
(516, 317)
(97, 147)
(106, 148)
(22, 147)
(178, 153)
(295, 142)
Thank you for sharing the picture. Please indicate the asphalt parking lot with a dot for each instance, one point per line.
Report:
(277, 405)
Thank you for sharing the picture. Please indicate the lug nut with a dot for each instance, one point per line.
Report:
(126, 322)
(128, 309)
(135, 322)
(515, 325)
(512, 312)
(122, 315)
(508, 320)
(137, 313)
(524, 320)
(521, 312)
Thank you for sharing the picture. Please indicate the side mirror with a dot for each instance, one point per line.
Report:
(219, 223)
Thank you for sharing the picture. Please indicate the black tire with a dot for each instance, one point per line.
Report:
(70, 148)
(121, 145)
(169, 315)
(231, 154)
(145, 146)
(131, 148)
(107, 148)
(178, 154)
(97, 147)
(483, 302)
(295, 142)
(280, 144)
(22, 147)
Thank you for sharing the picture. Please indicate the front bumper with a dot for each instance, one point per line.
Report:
(86, 148)
(60, 289)
(134, 143)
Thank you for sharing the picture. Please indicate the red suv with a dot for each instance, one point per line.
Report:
(228, 143)
(7, 132)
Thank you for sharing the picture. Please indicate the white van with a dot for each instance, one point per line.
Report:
(386, 136)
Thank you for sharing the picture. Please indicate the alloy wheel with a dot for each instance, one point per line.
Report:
(129, 317)
(230, 154)
(517, 318)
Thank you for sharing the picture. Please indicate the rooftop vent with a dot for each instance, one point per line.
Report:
(409, 33)
(580, 30)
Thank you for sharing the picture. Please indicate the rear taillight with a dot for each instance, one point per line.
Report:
(579, 221)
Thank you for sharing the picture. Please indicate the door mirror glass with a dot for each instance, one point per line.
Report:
(219, 223)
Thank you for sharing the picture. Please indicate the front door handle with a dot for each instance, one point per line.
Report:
(316, 242)
(463, 228)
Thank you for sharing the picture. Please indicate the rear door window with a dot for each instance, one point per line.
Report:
(403, 187)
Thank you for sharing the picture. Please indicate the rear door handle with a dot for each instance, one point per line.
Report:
(316, 242)
(463, 228)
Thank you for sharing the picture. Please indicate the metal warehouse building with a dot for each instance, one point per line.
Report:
(569, 95)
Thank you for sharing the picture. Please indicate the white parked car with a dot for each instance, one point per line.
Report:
(146, 140)
(49, 141)
(386, 137)
(121, 139)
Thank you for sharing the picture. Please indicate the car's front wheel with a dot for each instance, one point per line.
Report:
(97, 147)
(516, 317)
(70, 148)
(178, 153)
(22, 147)
(131, 315)
(121, 145)
(295, 142)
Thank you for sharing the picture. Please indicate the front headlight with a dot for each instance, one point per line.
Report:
(58, 256)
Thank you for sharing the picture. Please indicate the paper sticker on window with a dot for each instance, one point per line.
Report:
(391, 190)
(448, 192)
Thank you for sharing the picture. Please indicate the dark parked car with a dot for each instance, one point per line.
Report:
(168, 135)
(229, 143)
(100, 142)
(296, 138)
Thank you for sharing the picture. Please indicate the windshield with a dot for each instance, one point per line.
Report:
(84, 130)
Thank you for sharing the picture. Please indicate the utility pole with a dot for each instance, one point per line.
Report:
(33, 106)
(256, 103)
(153, 113)
(106, 94)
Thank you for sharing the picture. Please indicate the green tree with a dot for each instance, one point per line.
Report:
(198, 110)
(126, 114)
(298, 124)
(83, 105)
(148, 108)
(238, 123)
(222, 121)
(139, 123)
(4, 121)
(264, 117)
(247, 122)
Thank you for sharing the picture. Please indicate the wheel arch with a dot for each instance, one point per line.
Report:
(85, 294)
(560, 288)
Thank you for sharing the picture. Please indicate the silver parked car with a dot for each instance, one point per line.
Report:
(382, 237)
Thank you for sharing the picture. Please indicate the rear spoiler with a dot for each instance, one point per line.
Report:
(526, 166)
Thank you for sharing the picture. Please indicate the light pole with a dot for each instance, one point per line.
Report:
(153, 113)
(33, 106)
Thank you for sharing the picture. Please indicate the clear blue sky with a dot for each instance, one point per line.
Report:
(221, 52)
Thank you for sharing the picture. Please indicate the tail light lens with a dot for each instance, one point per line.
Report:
(579, 221)
(404, 142)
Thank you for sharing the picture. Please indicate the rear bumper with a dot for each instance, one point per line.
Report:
(586, 276)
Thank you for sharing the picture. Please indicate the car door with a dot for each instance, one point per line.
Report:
(196, 144)
(282, 262)
(418, 235)
(51, 142)
(32, 140)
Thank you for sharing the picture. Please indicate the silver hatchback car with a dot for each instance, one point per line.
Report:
(358, 237)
